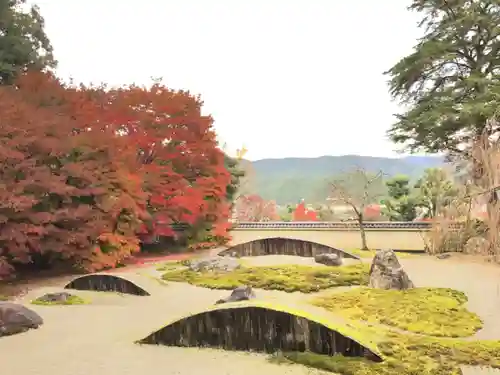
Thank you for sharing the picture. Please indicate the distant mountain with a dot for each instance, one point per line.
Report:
(288, 180)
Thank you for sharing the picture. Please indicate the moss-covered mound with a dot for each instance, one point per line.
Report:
(291, 278)
(170, 266)
(265, 327)
(71, 300)
(430, 311)
(409, 355)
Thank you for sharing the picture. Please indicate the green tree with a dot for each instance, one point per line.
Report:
(450, 82)
(398, 186)
(23, 42)
(232, 165)
(402, 203)
(435, 190)
(285, 213)
(324, 213)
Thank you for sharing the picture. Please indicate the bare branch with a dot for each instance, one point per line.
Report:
(357, 189)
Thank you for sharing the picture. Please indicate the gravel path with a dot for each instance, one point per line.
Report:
(98, 338)
(273, 260)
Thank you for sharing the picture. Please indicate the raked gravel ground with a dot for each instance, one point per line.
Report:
(99, 338)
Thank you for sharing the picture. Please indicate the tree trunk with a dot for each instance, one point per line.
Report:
(364, 246)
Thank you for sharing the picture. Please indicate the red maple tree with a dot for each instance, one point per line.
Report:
(184, 171)
(66, 193)
(86, 169)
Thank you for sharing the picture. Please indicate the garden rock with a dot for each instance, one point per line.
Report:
(443, 256)
(387, 273)
(16, 318)
(241, 293)
(215, 263)
(60, 297)
(328, 259)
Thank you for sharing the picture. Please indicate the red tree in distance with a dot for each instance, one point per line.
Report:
(372, 212)
(302, 214)
(311, 215)
(255, 208)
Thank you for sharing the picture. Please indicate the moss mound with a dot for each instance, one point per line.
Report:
(410, 355)
(291, 278)
(430, 311)
(72, 300)
(170, 266)
(232, 321)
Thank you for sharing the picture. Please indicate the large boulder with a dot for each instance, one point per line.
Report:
(16, 318)
(328, 259)
(215, 263)
(241, 293)
(387, 273)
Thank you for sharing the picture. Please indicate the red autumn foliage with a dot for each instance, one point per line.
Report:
(86, 170)
(183, 168)
(372, 212)
(255, 208)
(301, 213)
(311, 215)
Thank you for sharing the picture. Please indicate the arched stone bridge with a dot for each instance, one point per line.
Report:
(405, 236)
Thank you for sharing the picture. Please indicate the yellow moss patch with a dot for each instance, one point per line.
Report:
(410, 355)
(73, 300)
(430, 311)
(170, 266)
(291, 278)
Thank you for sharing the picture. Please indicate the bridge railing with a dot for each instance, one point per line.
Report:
(326, 225)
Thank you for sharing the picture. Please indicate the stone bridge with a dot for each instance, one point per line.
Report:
(405, 236)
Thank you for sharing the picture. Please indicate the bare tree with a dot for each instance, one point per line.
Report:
(479, 185)
(486, 175)
(357, 189)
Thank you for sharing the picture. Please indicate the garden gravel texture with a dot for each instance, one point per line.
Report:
(99, 338)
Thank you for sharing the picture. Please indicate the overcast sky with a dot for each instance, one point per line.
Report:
(282, 77)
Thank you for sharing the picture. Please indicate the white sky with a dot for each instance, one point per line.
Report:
(283, 77)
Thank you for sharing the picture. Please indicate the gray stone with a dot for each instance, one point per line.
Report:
(55, 297)
(443, 256)
(387, 273)
(328, 259)
(215, 263)
(16, 318)
(241, 293)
